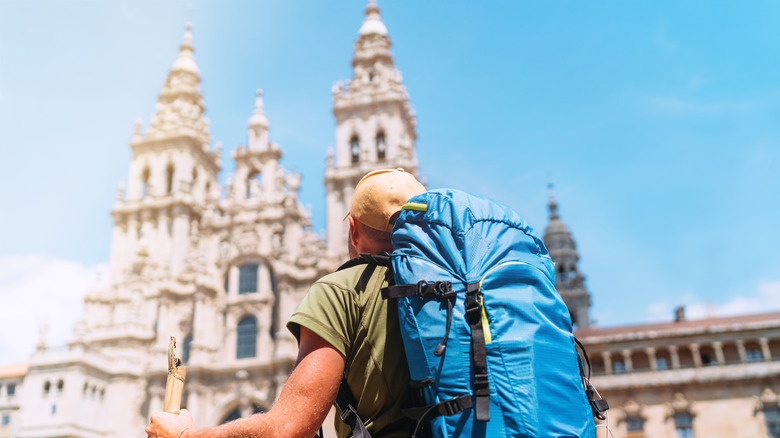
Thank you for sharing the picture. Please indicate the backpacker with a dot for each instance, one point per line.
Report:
(488, 339)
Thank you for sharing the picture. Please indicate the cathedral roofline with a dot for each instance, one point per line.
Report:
(690, 327)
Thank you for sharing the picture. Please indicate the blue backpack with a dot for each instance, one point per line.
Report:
(488, 338)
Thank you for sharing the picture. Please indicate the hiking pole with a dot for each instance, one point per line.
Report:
(175, 384)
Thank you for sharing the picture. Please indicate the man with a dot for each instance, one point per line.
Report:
(344, 330)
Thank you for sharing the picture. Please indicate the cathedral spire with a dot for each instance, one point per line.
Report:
(553, 206)
(258, 125)
(180, 105)
(570, 283)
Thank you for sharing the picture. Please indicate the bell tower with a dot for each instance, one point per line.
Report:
(375, 126)
(172, 175)
(569, 282)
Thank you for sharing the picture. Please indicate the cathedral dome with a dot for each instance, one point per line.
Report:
(186, 62)
(372, 24)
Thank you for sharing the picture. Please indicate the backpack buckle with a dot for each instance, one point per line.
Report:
(444, 289)
(473, 307)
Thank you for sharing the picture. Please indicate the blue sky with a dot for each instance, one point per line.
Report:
(657, 122)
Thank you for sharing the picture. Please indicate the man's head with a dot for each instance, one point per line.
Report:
(376, 204)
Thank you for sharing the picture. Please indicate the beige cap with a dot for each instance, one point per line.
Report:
(380, 195)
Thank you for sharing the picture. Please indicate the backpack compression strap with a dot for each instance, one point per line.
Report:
(478, 352)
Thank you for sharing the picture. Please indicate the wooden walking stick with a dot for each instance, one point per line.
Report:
(175, 385)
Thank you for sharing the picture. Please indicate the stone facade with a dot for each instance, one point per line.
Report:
(222, 267)
(718, 377)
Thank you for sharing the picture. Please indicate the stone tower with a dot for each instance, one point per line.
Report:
(220, 267)
(570, 283)
(375, 126)
(172, 174)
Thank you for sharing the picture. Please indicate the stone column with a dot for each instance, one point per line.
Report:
(156, 396)
(607, 356)
(651, 358)
(718, 346)
(675, 357)
(741, 350)
(696, 355)
(627, 360)
(200, 333)
(765, 349)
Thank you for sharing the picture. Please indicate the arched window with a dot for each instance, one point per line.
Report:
(46, 387)
(354, 149)
(144, 182)
(381, 146)
(253, 184)
(169, 179)
(185, 354)
(246, 338)
(60, 385)
(247, 278)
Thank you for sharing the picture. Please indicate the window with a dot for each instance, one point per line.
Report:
(169, 179)
(247, 279)
(354, 149)
(683, 423)
(46, 387)
(144, 182)
(60, 385)
(53, 409)
(10, 390)
(246, 338)
(235, 414)
(381, 147)
(619, 367)
(635, 423)
(754, 355)
(253, 183)
(661, 364)
(185, 355)
(772, 419)
(5, 420)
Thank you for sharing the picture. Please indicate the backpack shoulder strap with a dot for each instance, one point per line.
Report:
(345, 401)
(348, 407)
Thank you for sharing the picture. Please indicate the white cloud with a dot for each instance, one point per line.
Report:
(765, 299)
(36, 290)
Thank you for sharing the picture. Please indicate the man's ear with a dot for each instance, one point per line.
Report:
(354, 231)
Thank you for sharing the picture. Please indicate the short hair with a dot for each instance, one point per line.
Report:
(374, 234)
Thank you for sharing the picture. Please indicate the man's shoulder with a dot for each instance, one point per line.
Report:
(350, 277)
(347, 277)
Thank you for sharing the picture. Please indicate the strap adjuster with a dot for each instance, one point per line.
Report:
(349, 416)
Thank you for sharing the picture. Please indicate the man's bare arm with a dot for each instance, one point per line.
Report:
(302, 406)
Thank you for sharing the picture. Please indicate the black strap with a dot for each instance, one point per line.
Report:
(425, 414)
(439, 289)
(348, 407)
(597, 404)
(478, 352)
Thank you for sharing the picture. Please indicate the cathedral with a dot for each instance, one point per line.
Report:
(222, 266)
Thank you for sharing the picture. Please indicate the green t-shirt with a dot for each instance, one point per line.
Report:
(355, 320)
